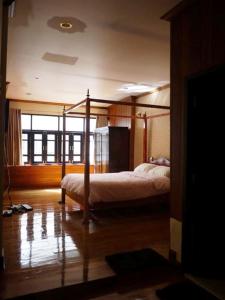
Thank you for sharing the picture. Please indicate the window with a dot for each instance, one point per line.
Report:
(26, 121)
(38, 155)
(42, 139)
(72, 124)
(73, 147)
(44, 122)
(25, 147)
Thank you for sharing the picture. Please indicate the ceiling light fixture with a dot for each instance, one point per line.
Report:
(66, 25)
(136, 88)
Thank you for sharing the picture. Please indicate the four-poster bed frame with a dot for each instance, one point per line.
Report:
(88, 114)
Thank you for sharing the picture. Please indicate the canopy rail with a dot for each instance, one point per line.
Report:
(107, 115)
(158, 115)
(86, 213)
(136, 104)
(66, 111)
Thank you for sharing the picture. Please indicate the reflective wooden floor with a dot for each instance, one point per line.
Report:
(49, 247)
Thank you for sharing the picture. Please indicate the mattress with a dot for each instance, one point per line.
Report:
(122, 186)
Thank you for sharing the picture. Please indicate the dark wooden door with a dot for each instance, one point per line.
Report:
(203, 219)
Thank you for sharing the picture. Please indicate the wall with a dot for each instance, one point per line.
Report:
(42, 108)
(159, 145)
(125, 122)
(158, 128)
(120, 110)
(197, 44)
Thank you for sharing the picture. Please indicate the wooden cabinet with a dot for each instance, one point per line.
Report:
(41, 176)
(111, 149)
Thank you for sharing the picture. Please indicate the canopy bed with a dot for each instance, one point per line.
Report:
(115, 188)
(100, 190)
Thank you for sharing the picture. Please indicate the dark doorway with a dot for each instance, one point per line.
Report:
(203, 250)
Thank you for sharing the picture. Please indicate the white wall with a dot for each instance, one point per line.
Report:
(158, 128)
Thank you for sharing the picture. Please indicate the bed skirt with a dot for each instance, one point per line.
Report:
(157, 200)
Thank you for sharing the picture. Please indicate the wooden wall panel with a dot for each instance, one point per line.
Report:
(41, 176)
(197, 44)
(120, 110)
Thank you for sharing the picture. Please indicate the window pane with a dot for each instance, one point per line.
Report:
(74, 124)
(24, 159)
(76, 158)
(24, 147)
(24, 136)
(50, 147)
(76, 147)
(66, 137)
(60, 123)
(76, 137)
(38, 136)
(37, 147)
(66, 158)
(37, 158)
(92, 125)
(45, 123)
(67, 147)
(51, 158)
(51, 137)
(91, 150)
(26, 122)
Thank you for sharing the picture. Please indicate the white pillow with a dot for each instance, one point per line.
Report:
(160, 171)
(145, 167)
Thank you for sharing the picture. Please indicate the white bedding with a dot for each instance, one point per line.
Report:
(108, 187)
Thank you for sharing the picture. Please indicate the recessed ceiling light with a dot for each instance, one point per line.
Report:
(36, 77)
(66, 25)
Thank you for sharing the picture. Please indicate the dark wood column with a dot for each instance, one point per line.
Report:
(3, 59)
(1, 138)
(132, 132)
(197, 44)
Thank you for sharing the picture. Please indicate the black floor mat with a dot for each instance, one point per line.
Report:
(184, 290)
(135, 261)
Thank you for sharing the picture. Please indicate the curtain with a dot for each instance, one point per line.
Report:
(14, 138)
(101, 122)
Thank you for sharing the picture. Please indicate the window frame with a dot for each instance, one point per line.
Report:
(58, 143)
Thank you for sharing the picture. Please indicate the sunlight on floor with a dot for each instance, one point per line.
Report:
(55, 191)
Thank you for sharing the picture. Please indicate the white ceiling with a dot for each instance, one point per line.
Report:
(115, 42)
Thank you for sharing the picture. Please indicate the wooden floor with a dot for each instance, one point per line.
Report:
(48, 247)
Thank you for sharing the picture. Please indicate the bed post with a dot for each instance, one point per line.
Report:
(63, 192)
(145, 138)
(86, 214)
